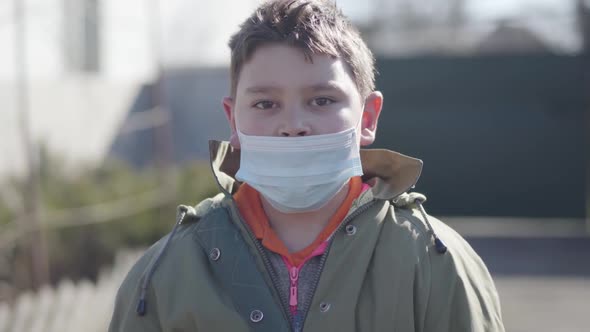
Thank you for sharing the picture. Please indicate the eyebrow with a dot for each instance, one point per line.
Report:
(262, 89)
(319, 87)
(327, 86)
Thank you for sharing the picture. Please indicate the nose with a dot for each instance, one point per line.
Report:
(294, 125)
(294, 132)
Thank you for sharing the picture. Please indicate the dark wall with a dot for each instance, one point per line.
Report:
(499, 136)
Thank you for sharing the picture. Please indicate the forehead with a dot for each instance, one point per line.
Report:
(286, 67)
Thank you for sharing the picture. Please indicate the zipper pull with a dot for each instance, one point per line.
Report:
(294, 276)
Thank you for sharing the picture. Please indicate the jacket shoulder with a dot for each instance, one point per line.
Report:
(124, 316)
(459, 291)
(153, 265)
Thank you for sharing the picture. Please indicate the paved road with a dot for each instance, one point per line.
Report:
(545, 304)
(544, 283)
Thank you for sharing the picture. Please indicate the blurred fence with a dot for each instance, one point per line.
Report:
(84, 306)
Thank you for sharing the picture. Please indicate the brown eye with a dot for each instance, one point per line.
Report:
(265, 104)
(322, 101)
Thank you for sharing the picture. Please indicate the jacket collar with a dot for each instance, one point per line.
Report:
(389, 173)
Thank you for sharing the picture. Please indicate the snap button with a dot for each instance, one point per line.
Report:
(350, 229)
(256, 316)
(214, 254)
(324, 306)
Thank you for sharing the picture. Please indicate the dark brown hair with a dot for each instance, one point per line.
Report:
(315, 27)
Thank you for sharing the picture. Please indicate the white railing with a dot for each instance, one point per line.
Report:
(82, 306)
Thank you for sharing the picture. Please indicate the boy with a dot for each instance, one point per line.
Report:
(310, 233)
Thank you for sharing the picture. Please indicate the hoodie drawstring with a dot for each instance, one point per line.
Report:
(440, 246)
(141, 308)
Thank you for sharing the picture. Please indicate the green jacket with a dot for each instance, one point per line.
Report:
(401, 270)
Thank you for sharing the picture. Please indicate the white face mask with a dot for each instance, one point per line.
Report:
(302, 173)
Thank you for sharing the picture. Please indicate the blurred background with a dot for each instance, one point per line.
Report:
(106, 107)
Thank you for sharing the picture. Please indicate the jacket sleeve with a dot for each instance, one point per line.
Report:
(124, 318)
(462, 296)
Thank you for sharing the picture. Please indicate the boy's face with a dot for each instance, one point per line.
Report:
(279, 93)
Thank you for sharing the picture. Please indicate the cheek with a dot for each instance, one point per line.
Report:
(329, 125)
(251, 123)
(345, 118)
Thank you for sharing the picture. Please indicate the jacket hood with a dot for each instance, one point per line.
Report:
(389, 173)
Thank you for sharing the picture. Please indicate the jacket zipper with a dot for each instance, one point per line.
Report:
(316, 278)
(315, 281)
(294, 276)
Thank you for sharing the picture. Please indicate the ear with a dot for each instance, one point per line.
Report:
(228, 108)
(370, 117)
